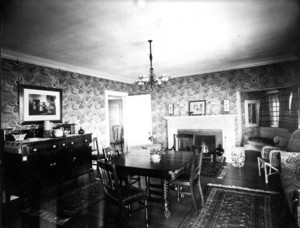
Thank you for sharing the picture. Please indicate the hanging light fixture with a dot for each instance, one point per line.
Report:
(152, 81)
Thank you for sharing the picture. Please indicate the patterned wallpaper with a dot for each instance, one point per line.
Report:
(83, 96)
(214, 88)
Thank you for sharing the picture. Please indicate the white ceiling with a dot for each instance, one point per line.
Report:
(109, 39)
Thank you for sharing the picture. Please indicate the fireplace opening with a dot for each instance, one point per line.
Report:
(206, 139)
(207, 143)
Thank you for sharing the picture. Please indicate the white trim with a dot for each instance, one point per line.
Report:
(108, 93)
(5, 53)
(239, 118)
(59, 65)
(261, 62)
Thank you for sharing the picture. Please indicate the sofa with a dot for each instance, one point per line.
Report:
(290, 179)
(290, 173)
(268, 136)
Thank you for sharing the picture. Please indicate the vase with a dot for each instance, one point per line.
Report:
(238, 157)
(81, 131)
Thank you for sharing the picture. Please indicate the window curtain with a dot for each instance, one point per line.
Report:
(284, 111)
(264, 112)
(293, 123)
(288, 110)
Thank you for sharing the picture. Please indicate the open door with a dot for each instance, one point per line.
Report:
(138, 119)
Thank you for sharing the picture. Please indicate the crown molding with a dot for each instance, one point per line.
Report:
(8, 54)
(261, 62)
(5, 53)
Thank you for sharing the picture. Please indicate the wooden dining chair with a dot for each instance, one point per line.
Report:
(96, 153)
(122, 196)
(191, 179)
(118, 143)
(109, 153)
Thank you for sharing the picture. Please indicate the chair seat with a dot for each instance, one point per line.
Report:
(95, 156)
(129, 195)
(182, 179)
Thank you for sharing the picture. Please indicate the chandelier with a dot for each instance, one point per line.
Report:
(151, 81)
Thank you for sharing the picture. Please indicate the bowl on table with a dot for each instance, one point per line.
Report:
(19, 137)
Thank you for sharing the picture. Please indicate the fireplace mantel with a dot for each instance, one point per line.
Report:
(226, 123)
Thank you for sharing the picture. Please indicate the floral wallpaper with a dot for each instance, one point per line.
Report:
(83, 96)
(214, 88)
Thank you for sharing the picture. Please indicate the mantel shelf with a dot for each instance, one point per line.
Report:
(202, 117)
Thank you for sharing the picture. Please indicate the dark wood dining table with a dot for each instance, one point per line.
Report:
(170, 165)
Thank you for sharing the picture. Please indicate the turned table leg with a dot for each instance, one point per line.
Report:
(166, 198)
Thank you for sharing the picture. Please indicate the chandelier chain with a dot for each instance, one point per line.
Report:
(151, 81)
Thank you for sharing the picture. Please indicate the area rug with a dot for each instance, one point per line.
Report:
(213, 169)
(60, 210)
(235, 207)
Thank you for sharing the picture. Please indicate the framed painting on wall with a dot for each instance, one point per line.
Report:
(38, 104)
(197, 107)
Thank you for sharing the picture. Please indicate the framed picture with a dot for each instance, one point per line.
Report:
(37, 104)
(197, 107)
(226, 105)
(171, 109)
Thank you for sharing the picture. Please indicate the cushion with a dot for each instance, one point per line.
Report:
(262, 140)
(280, 141)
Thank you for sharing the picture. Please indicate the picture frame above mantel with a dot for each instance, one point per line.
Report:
(197, 108)
(38, 104)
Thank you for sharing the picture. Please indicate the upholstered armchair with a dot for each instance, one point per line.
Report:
(270, 159)
(290, 173)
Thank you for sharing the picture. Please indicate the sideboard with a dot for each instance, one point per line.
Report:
(37, 164)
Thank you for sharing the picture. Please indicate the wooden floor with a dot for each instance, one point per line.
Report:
(93, 217)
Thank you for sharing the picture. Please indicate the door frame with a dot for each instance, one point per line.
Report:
(122, 95)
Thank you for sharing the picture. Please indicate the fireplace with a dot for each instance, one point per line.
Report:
(222, 127)
(208, 139)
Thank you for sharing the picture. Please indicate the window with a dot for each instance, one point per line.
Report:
(274, 109)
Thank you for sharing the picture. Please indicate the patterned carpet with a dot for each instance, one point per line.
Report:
(60, 210)
(234, 207)
(213, 169)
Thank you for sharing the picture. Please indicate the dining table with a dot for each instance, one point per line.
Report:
(139, 162)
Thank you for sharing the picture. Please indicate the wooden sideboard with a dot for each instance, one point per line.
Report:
(33, 166)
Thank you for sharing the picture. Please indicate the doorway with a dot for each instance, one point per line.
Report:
(134, 113)
(114, 114)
